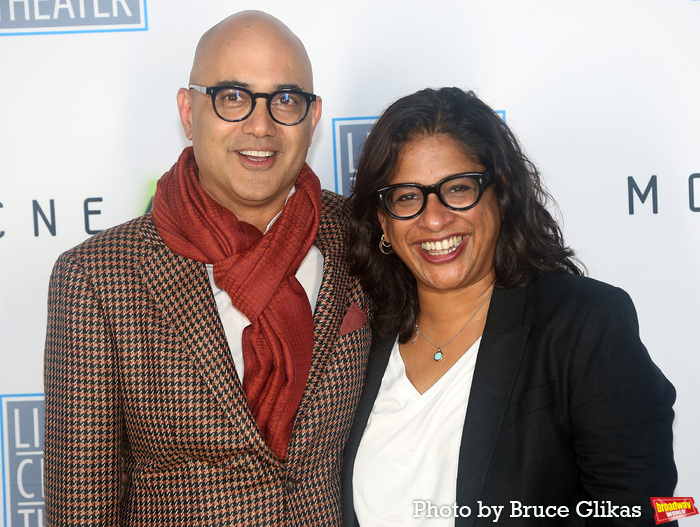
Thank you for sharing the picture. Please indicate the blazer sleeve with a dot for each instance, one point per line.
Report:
(83, 427)
(621, 412)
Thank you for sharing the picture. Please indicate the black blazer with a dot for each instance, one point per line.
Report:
(566, 406)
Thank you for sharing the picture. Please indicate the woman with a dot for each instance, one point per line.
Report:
(502, 385)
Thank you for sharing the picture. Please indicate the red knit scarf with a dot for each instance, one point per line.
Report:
(258, 273)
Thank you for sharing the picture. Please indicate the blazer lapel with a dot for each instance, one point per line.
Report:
(497, 365)
(334, 300)
(376, 366)
(182, 289)
(330, 308)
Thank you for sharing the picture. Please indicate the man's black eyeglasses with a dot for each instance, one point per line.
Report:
(233, 103)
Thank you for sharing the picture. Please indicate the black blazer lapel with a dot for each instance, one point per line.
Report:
(376, 366)
(500, 353)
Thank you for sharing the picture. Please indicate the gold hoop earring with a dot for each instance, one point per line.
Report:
(385, 246)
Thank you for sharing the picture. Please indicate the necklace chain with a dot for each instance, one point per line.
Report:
(438, 354)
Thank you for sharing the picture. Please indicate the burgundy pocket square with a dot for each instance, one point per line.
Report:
(354, 319)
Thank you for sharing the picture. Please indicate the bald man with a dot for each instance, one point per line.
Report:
(213, 350)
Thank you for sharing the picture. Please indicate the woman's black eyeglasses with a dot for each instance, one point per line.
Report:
(458, 192)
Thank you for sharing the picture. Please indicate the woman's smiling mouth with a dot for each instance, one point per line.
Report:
(442, 247)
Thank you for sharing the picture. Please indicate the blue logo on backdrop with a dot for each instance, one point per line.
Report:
(349, 135)
(22, 427)
(35, 17)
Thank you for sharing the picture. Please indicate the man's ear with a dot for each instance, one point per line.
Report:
(315, 115)
(184, 106)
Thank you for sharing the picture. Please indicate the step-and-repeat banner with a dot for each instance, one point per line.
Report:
(604, 94)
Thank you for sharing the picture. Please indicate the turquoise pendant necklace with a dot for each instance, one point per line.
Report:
(438, 354)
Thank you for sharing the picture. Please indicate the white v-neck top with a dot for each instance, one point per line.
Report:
(409, 452)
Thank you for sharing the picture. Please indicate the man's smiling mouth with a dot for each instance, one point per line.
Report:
(256, 153)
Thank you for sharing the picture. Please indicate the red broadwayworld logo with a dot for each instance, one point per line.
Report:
(669, 509)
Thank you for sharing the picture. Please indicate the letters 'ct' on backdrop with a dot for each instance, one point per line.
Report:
(603, 94)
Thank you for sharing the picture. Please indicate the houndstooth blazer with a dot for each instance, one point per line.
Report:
(139, 377)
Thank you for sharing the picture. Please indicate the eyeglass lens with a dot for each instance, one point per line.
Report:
(285, 107)
(458, 193)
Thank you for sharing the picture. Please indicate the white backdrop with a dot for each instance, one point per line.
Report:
(598, 91)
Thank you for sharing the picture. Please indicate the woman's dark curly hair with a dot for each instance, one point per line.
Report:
(530, 241)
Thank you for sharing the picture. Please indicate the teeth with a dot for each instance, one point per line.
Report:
(442, 246)
(256, 153)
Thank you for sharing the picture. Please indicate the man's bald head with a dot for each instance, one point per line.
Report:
(249, 165)
(249, 28)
